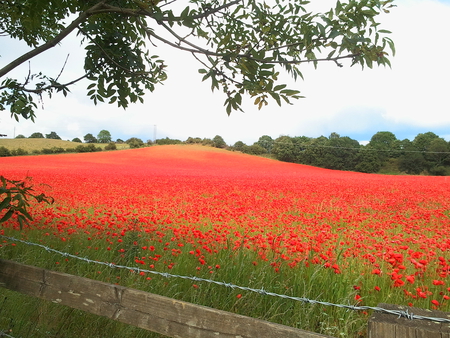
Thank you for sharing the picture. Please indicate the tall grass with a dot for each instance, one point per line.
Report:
(35, 318)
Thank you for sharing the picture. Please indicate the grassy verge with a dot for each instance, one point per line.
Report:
(37, 144)
(34, 318)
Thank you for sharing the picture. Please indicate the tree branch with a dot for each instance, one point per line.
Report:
(52, 43)
(199, 50)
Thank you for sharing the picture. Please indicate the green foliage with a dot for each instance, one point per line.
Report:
(111, 146)
(254, 149)
(241, 46)
(135, 142)
(423, 141)
(239, 146)
(53, 150)
(89, 148)
(385, 145)
(89, 138)
(207, 142)
(284, 149)
(36, 135)
(193, 140)
(166, 141)
(427, 154)
(104, 136)
(53, 136)
(412, 163)
(19, 152)
(266, 142)
(15, 199)
(47, 151)
(218, 142)
(20, 136)
(368, 161)
(341, 153)
(4, 152)
(76, 139)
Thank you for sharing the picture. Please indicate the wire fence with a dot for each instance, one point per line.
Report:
(4, 334)
(406, 314)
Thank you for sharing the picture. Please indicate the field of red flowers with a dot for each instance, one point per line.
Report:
(377, 233)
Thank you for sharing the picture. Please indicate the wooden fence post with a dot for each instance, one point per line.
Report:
(384, 325)
(171, 317)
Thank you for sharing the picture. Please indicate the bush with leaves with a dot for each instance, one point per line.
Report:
(4, 152)
(36, 135)
(111, 146)
(135, 142)
(19, 152)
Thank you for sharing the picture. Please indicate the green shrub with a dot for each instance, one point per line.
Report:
(4, 152)
(135, 142)
(81, 149)
(47, 151)
(111, 146)
(19, 152)
(58, 150)
(439, 171)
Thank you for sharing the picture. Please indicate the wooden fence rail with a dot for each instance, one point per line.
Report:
(145, 310)
(176, 318)
(382, 325)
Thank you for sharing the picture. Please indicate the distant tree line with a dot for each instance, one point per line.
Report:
(427, 154)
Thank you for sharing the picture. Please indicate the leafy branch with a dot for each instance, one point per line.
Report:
(16, 196)
(242, 44)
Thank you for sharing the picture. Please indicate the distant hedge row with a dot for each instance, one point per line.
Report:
(89, 148)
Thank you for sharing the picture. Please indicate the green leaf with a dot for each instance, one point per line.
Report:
(279, 87)
(5, 203)
(185, 13)
(7, 216)
(290, 92)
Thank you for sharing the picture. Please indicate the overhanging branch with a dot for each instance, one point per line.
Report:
(52, 43)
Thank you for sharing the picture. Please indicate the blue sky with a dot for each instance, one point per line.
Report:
(408, 99)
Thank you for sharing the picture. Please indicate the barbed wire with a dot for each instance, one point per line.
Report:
(4, 334)
(398, 313)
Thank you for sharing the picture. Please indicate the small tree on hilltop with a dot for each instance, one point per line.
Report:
(219, 142)
(89, 138)
(104, 136)
(53, 136)
(135, 142)
(36, 135)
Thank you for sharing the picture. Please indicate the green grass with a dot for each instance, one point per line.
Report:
(37, 144)
(36, 318)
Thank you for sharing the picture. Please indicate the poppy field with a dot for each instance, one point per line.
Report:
(339, 237)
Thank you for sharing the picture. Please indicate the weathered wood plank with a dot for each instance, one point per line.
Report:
(148, 311)
(382, 325)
